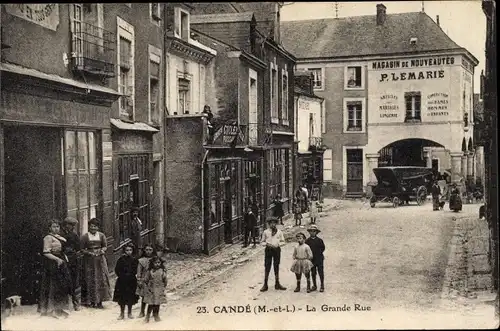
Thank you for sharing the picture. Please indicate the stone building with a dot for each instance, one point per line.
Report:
(309, 127)
(80, 121)
(397, 89)
(248, 154)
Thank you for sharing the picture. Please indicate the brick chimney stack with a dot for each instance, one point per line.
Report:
(381, 14)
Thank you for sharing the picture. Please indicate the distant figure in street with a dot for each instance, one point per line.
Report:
(55, 287)
(278, 209)
(313, 211)
(136, 228)
(317, 247)
(250, 223)
(95, 266)
(305, 197)
(297, 212)
(210, 116)
(436, 192)
(455, 199)
(142, 268)
(302, 256)
(272, 239)
(155, 282)
(72, 251)
(126, 283)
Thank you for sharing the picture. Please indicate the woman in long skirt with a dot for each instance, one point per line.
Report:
(56, 282)
(95, 267)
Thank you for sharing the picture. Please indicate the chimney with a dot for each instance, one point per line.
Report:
(437, 20)
(381, 14)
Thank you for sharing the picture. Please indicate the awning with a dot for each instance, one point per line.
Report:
(19, 70)
(136, 126)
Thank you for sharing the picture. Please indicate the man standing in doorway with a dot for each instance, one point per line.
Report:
(272, 239)
(136, 228)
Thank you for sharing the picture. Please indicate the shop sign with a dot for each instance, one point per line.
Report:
(388, 107)
(229, 134)
(411, 75)
(46, 15)
(437, 104)
(414, 63)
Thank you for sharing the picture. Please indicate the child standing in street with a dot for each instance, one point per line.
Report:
(317, 247)
(313, 211)
(297, 212)
(278, 209)
(155, 283)
(302, 256)
(126, 283)
(142, 269)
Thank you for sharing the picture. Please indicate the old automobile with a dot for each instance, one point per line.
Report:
(400, 185)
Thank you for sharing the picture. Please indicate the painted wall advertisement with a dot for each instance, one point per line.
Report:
(46, 15)
(417, 86)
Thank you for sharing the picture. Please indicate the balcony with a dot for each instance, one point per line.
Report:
(227, 134)
(93, 49)
(315, 143)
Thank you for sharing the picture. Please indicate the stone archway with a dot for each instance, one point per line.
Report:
(407, 152)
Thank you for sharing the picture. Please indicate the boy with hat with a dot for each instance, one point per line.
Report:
(272, 239)
(317, 247)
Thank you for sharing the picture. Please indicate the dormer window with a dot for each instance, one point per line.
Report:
(182, 29)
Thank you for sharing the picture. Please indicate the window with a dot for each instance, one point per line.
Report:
(154, 84)
(279, 172)
(274, 93)
(126, 68)
(82, 176)
(327, 166)
(284, 97)
(133, 191)
(317, 78)
(182, 24)
(223, 191)
(412, 102)
(354, 116)
(184, 96)
(354, 77)
(154, 10)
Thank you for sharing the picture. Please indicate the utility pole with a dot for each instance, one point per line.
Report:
(423, 7)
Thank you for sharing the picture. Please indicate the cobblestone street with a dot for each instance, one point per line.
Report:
(406, 264)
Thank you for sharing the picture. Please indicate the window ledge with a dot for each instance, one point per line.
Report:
(275, 120)
(319, 89)
(354, 88)
(354, 131)
(286, 122)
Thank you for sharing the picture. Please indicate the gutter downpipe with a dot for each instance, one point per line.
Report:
(203, 196)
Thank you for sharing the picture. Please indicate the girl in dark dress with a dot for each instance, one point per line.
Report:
(126, 284)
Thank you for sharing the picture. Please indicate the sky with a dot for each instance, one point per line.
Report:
(463, 20)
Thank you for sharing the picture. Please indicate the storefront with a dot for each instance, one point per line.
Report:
(52, 166)
(132, 180)
(279, 172)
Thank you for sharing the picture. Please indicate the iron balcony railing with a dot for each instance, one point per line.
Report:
(93, 49)
(315, 142)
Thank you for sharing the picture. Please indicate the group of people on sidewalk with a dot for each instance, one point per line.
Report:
(307, 255)
(439, 197)
(76, 267)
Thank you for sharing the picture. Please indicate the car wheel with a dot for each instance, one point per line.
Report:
(421, 195)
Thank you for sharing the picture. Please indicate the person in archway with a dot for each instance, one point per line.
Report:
(436, 192)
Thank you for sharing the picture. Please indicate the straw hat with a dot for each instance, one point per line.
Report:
(314, 227)
(272, 220)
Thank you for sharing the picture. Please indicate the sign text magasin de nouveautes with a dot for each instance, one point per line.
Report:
(414, 63)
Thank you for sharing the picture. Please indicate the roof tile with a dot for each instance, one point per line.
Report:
(360, 35)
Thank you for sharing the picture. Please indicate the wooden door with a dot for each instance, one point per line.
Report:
(354, 171)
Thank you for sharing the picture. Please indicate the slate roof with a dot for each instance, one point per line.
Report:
(360, 35)
(221, 18)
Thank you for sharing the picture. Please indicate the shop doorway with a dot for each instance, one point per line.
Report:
(354, 171)
(33, 195)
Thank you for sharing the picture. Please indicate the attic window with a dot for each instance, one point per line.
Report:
(413, 41)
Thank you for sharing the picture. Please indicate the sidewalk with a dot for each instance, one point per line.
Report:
(468, 277)
(188, 272)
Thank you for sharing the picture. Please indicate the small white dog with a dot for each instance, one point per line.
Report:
(12, 304)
